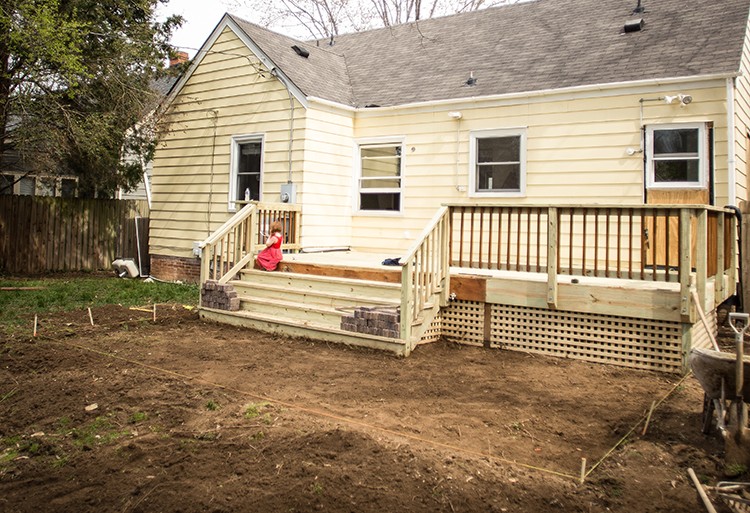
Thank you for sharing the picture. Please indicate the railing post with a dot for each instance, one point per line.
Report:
(407, 301)
(552, 237)
(701, 255)
(445, 244)
(719, 287)
(685, 264)
(733, 264)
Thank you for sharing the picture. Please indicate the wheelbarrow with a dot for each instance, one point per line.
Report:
(715, 371)
(722, 377)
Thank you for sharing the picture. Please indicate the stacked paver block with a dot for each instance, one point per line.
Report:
(219, 296)
(383, 322)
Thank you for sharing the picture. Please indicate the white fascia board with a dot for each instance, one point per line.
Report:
(225, 22)
(546, 94)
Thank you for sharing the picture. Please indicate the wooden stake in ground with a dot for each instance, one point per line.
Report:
(648, 418)
(36, 319)
(154, 312)
(583, 470)
(91, 317)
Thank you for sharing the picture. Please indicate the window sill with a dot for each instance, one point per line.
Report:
(514, 194)
(378, 213)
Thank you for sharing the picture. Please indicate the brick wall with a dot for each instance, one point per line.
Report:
(172, 268)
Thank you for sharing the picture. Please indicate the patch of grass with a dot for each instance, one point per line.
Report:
(735, 469)
(60, 461)
(260, 435)
(64, 294)
(212, 405)
(100, 431)
(254, 410)
(316, 488)
(138, 416)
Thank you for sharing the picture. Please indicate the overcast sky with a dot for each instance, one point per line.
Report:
(201, 16)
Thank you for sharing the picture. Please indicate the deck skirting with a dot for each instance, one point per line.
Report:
(649, 344)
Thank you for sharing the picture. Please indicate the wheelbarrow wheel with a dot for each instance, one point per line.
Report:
(708, 414)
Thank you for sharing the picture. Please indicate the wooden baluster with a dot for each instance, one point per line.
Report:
(518, 239)
(630, 244)
(655, 245)
(499, 237)
(570, 241)
(461, 239)
(583, 248)
(528, 239)
(508, 242)
(667, 242)
(489, 236)
(619, 243)
(608, 241)
(538, 237)
(471, 238)
(596, 242)
(553, 255)
(481, 235)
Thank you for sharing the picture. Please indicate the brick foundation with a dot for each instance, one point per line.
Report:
(383, 322)
(170, 268)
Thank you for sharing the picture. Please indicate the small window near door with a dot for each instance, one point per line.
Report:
(27, 186)
(68, 187)
(247, 167)
(676, 156)
(380, 177)
(6, 184)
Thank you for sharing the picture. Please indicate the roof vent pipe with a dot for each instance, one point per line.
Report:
(634, 25)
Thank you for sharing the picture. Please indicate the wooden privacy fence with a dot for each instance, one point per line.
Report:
(40, 234)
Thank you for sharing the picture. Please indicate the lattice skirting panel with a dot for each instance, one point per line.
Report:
(464, 321)
(434, 332)
(623, 341)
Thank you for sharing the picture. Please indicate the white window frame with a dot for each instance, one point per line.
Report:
(702, 157)
(375, 142)
(474, 136)
(234, 160)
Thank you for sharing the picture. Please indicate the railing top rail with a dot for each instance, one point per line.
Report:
(281, 207)
(244, 212)
(710, 208)
(443, 210)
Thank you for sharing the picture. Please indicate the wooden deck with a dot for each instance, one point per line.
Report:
(477, 275)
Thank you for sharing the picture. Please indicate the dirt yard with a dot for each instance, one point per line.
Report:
(178, 415)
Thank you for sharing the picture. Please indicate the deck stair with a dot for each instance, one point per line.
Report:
(311, 305)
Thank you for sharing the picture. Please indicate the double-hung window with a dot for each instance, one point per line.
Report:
(247, 167)
(381, 177)
(676, 156)
(497, 162)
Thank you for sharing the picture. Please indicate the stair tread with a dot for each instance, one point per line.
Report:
(309, 325)
(329, 279)
(327, 294)
(294, 304)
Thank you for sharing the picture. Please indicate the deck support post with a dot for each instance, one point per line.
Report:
(552, 236)
(685, 264)
(733, 264)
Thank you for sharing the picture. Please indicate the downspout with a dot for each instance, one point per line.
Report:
(731, 158)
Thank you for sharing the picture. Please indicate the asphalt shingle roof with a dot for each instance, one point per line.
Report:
(530, 46)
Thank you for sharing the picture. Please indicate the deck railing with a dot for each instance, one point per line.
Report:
(425, 272)
(651, 242)
(232, 247)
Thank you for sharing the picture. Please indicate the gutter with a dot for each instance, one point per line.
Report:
(528, 94)
(731, 150)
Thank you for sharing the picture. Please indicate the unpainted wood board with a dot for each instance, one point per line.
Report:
(469, 288)
(388, 276)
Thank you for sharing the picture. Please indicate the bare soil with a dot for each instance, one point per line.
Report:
(192, 416)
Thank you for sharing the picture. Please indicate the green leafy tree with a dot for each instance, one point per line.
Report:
(75, 79)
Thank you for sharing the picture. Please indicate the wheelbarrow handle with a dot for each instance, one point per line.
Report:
(743, 324)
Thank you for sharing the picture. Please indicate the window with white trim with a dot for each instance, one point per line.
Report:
(676, 156)
(380, 178)
(497, 162)
(246, 170)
